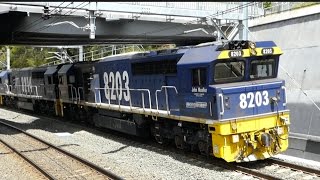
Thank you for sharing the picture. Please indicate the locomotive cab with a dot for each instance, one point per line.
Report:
(233, 87)
(250, 101)
(67, 91)
(51, 82)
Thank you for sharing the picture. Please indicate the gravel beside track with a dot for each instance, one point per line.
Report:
(14, 167)
(123, 157)
(52, 161)
(130, 159)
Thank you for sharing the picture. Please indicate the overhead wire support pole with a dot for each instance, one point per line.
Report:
(80, 53)
(220, 32)
(245, 22)
(8, 57)
(92, 19)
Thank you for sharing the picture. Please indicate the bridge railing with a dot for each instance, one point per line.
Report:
(278, 7)
(108, 51)
(254, 9)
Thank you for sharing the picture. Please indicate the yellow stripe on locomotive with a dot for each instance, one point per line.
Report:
(251, 51)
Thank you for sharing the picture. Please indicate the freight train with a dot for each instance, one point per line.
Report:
(222, 99)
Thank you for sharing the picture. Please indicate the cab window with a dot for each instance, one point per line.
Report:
(199, 76)
(225, 72)
(261, 69)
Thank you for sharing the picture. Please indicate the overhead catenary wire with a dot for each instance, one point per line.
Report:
(166, 28)
(57, 19)
(53, 20)
(62, 16)
(37, 21)
(300, 88)
(189, 22)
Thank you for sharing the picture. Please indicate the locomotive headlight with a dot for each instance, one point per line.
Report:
(227, 102)
(284, 120)
(278, 95)
(235, 138)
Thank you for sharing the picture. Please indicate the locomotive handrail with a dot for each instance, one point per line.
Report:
(29, 89)
(79, 93)
(36, 87)
(10, 88)
(43, 89)
(7, 86)
(142, 97)
(75, 90)
(130, 102)
(285, 95)
(222, 104)
(71, 91)
(166, 93)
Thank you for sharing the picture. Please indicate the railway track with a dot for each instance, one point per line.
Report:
(284, 170)
(51, 161)
(264, 169)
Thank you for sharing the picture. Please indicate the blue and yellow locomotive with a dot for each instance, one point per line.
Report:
(222, 99)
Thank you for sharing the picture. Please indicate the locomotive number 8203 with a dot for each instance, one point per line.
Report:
(116, 85)
(256, 99)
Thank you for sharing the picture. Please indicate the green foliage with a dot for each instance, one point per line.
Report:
(25, 56)
(2, 56)
(304, 4)
(158, 47)
(22, 56)
(267, 5)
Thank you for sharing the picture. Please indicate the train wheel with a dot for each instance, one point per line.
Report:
(158, 135)
(179, 142)
(204, 148)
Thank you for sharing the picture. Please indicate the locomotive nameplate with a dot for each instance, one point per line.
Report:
(267, 51)
(235, 53)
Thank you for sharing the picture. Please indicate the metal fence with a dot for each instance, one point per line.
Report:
(253, 10)
(278, 7)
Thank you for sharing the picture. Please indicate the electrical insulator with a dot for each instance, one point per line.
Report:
(46, 13)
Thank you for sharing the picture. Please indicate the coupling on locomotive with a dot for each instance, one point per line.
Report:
(222, 99)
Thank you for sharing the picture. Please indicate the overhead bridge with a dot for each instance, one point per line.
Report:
(67, 23)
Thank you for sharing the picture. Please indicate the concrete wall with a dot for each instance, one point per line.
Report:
(299, 38)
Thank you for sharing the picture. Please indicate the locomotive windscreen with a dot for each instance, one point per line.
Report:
(225, 72)
(260, 69)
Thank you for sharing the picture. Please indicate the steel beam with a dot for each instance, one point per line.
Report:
(106, 7)
(80, 53)
(34, 31)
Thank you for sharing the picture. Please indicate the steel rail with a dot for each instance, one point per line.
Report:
(241, 169)
(43, 172)
(81, 160)
(221, 163)
(255, 173)
(217, 162)
(294, 166)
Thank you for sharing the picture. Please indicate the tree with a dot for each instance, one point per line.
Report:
(267, 5)
(27, 56)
